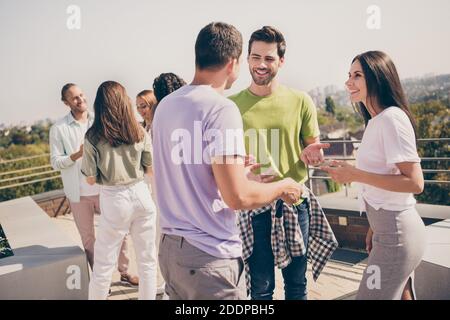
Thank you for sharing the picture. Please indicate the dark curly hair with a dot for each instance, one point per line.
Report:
(165, 84)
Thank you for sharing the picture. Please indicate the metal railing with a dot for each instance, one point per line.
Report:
(31, 172)
(346, 157)
(50, 174)
(23, 158)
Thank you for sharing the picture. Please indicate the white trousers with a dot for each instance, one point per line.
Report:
(125, 210)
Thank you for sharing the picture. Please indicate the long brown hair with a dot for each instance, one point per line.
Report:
(114, 117)
(383, 84)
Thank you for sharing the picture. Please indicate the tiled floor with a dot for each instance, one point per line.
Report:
(337, 281)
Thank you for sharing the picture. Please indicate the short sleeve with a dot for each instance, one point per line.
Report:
(310, 126)
(398, 137)
(224, 132)
(146, 159)
(89, 160)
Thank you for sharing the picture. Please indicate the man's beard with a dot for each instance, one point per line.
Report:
(83, 107)
(263, 81)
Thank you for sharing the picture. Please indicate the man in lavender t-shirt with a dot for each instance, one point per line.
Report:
(187, 191)
(198, 151)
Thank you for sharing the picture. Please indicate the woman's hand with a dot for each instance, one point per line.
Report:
(369, 240)
(341, 171)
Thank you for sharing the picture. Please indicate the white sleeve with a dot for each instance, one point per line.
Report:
(58, 157)
(399, 141)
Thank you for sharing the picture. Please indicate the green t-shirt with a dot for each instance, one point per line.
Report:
(275, 126)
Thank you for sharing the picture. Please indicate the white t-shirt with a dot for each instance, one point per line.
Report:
(85, 188)
(388, 139)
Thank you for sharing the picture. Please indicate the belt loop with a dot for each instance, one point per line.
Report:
(181, 242)
(163, 237)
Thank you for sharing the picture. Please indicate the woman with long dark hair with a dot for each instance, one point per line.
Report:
(116, 156)
(388, 173)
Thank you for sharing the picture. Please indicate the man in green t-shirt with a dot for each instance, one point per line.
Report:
(282, 133)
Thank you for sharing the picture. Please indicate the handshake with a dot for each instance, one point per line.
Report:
(291, 190)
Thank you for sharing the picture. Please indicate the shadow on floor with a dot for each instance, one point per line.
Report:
(347, 256)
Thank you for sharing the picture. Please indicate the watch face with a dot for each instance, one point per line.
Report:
(5, 249)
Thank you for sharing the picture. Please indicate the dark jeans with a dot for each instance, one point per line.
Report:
(261, 262)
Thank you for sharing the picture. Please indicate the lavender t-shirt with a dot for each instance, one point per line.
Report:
(191, 126)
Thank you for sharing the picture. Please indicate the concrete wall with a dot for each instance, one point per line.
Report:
(342, 213)
(350, 227)
(46, 263)
(53, 202)
(432, 279)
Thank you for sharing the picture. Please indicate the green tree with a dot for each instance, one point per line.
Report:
(330, 106)
(433, 121)
(21, 135)
(21, 151)
(352, 119)
(324, 119)
(332, 186)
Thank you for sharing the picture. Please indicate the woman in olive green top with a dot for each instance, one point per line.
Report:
(116, 156)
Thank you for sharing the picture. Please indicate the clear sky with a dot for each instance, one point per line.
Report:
(133, 41)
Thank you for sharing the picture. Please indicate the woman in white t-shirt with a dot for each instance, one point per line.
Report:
(388, 173)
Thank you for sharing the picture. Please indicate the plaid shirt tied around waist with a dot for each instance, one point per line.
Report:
(286, 236)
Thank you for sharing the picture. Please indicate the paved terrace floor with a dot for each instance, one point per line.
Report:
(337, 281)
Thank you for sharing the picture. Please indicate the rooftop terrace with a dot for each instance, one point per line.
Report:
(22, 221)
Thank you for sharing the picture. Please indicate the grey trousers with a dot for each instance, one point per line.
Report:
(192, 274)
(398, 245)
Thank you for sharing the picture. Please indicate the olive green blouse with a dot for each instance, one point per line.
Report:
(122, 165)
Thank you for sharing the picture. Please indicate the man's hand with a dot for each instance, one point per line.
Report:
(313, 153)
(292, 191)
(249, 160)
(251, 166)
(77, 155)
(91, 180)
